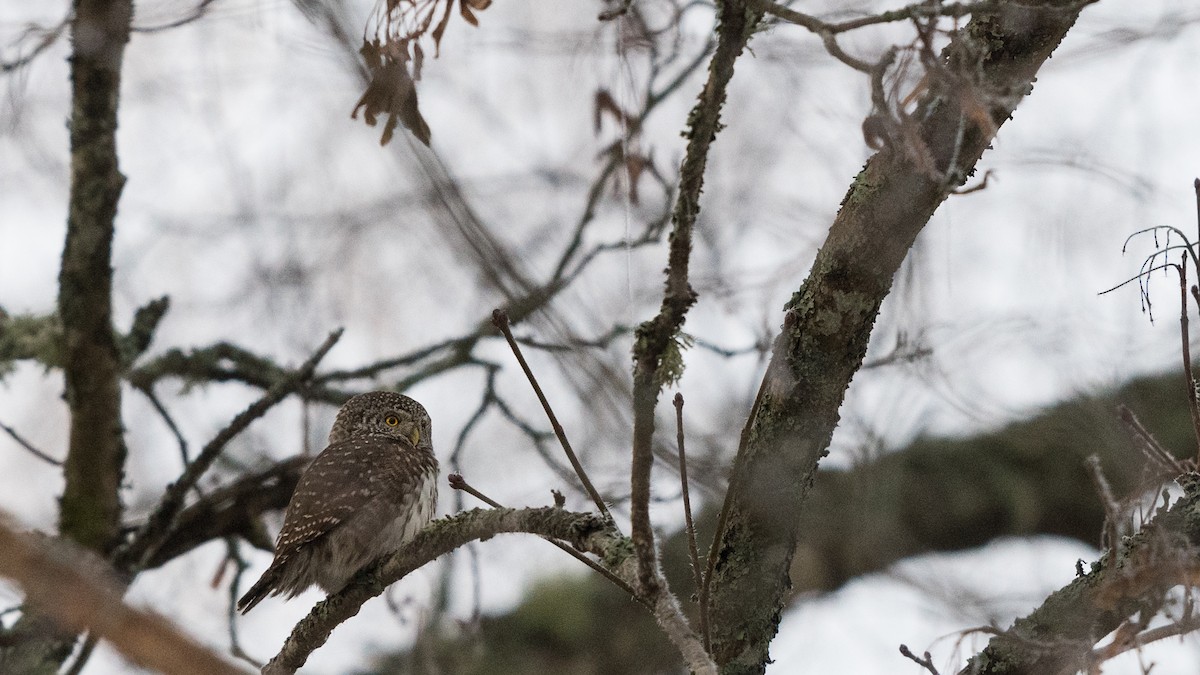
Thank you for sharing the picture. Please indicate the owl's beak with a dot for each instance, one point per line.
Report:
(415, 437)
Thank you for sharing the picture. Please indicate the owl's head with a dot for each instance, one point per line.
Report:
(386, 413)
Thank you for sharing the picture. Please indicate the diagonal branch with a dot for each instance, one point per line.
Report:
(1057, 637)
(586, 532)
(831, 316)
(69, 586)
(500, 320)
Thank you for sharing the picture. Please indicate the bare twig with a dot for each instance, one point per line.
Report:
(66, 585)
(1112, 510)
(29, 446)
(148, 392)
(925, 662)
(1149, 446)
(1178, 628)
(153, 533)
(500, 320)
(197, 13)
(47, 37)
(459, 483)
(913, 12)
(687, 516)
(1186, 352)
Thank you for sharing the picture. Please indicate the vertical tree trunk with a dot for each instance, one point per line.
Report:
(90, 509)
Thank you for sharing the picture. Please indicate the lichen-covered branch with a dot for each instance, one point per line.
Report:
(91, 506)
(656, 339)
(29, 337)
(831, 316)
(1057, 638)
(585, 531)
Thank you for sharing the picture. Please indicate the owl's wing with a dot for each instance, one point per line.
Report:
(346, 477)
(404, 496)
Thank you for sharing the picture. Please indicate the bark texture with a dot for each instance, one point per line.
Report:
(829, 319)
(91, 358)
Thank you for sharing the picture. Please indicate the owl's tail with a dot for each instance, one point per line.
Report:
(261, 589)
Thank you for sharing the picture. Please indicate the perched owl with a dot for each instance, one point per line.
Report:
(367, 494)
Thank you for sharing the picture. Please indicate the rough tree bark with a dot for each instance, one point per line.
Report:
(829, 319)
(91, 507)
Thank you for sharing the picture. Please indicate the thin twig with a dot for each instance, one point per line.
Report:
(925, 662)
(148, 392)
(500, 320)
(1181, 627)
(1186, 351)
(233, 555)
(459, 483)
(1112, 510)
(687, 516)
(48, 37)
(29, 446)
(1148, 444)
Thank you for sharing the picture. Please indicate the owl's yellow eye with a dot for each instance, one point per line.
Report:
(415, 436)
(391, 420)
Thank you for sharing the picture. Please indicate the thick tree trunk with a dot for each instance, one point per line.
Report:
(993, 62)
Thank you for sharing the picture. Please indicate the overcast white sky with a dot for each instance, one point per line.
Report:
(270, 217)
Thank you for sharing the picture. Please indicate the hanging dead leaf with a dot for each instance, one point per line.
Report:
(399, 24)
(392, 91)
(441, 28)
(465, 10)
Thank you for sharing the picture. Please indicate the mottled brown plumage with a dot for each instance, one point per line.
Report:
(367, 494)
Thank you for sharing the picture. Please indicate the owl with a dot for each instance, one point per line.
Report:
(365, 495)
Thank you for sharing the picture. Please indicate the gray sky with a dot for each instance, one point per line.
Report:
(270, 217)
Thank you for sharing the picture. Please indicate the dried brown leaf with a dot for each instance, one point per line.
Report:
(441, 28)
(392, 92)
(418, 60)
(465, 10)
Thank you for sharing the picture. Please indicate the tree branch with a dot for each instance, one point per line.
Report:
(91, 506)
(232, 510)
(584, 531)
(654, 365)
(1057, 637)
(70, 587)
(814, 358)
(500, 321)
